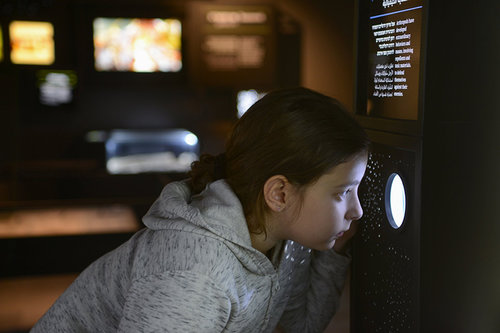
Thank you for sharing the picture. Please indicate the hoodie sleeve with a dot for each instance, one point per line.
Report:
(175, 302)
(316, 293)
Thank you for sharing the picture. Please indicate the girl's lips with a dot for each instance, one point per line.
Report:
(340, 234)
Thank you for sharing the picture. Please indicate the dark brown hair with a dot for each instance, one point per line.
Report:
(296, 132)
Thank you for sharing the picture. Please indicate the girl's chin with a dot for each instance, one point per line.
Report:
(326, 246)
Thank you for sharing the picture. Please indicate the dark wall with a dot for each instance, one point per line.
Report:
(460, 260)
(327, 53)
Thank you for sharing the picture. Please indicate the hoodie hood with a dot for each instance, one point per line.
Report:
(216, 211)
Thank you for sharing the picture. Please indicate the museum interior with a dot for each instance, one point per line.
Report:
(103, 103)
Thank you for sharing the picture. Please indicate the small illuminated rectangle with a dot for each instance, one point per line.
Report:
(137, 44)
(132, 152)
(56, 86)
(32, 43)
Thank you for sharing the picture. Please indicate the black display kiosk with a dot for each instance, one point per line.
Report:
(425, 258)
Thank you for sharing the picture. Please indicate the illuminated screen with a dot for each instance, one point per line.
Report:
(131, 151)
(56, 86)
(137, 45)
(32, 43)
(394, 58)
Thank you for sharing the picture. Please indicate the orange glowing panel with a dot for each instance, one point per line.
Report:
(67, 221)
(32, 43)
(1, 45)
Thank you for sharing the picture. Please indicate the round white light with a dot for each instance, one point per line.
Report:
(395, 200)
(246, 98)
(191, 139)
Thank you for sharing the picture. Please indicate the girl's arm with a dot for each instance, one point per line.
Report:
(316, 297)
(175, 302)
(317, 290)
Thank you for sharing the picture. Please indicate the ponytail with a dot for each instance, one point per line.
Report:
(208, 169)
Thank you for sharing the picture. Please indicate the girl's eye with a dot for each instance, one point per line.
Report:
(344, 194)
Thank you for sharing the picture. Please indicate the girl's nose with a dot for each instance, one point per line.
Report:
(355, 211)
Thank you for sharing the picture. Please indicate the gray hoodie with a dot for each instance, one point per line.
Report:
(193, 269)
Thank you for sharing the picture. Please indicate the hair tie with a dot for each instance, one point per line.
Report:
(220, 166)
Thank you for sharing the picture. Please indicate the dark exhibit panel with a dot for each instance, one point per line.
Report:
(385, 293)
(426, 256)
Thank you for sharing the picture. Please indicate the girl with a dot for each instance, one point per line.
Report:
(250, 242)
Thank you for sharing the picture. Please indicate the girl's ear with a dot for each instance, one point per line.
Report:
(276, 192)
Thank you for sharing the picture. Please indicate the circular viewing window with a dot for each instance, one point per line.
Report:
(395, 200)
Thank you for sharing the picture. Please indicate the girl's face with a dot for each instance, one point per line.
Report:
(328, 207)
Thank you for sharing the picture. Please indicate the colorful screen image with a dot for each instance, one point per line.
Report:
(137, 45)
(32, 43)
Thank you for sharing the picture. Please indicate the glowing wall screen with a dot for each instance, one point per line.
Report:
(32, 43)
(394, 58)
(137, 44)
